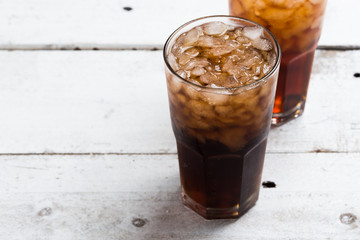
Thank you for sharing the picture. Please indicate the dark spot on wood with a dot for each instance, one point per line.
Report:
(268, 184)
(127, 8)
(356, 75)
(95, 48)
(347, 218)
(138, 222)
(77, 49)
(45, 212)
(319, 150)
(154, 49)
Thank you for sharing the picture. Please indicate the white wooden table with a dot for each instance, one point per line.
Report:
(86, 146)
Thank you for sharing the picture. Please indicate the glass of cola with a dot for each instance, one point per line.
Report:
(221, 74)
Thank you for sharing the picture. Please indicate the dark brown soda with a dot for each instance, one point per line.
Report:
(293, 81)
(217, 181)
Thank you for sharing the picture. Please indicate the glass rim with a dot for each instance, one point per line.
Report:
(268, 75)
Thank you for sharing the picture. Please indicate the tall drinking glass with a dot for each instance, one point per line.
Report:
(296, 24)
(221, 76)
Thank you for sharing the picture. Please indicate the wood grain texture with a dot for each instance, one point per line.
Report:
(84, 102)
(116, 102)
(86, 146)
(100, 197)
(88, 24)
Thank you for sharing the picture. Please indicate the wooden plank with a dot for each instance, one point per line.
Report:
(93, 216)
(88, 24)
(116, 102)
(137, 197)
(159, 173)
(84, 102)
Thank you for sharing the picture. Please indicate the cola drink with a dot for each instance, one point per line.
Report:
(221, 75)
(296, 24)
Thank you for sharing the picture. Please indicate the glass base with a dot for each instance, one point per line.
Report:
(218, 213)
(279, 119)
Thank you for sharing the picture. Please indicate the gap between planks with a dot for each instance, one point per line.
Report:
(316, 151)
(115, 47)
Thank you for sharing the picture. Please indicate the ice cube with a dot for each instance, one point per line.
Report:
(215, 28)
(222, 80)
(199, 107)
(196, 62)
(251, 52)
(191, 92)
(178, 48)
(198, 71)
(262, 44)
(172, 62)
(219, 51)
(216, 98)
(192, 52)
(187, 55)
(252, 32)
(182, 74)
(192, 37)
(209, 41)
(183, 59)
(231, 67)
(194, 81)
(230, 82)
(230, 27)
(208, 78)
(237, 55)
(250, 61)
